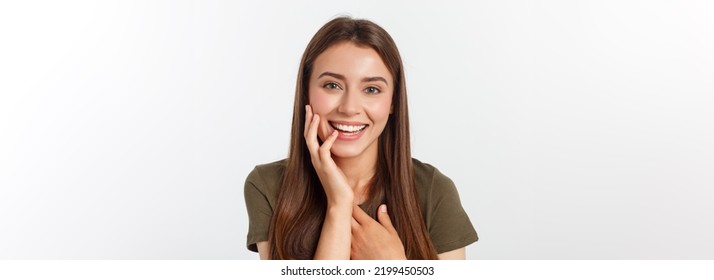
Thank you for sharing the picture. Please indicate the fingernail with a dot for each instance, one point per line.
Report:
(383, 208)
(306, 107)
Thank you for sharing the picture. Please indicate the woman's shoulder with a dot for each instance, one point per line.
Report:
(428, 177)
(267, 176)
(271, 167)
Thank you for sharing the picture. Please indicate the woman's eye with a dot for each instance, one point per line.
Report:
(372, 90)
(331, 86)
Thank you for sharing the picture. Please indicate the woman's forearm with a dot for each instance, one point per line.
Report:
(336, 234)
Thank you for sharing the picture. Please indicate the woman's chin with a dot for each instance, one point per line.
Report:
(345, 152)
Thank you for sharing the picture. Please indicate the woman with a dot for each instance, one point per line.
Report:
(349, 188)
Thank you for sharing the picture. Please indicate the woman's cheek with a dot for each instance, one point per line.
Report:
(381, 110)
(320, 103)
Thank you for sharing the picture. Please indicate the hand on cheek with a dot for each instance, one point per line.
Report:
(332, 178)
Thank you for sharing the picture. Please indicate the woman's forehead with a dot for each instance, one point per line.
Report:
(352, 62)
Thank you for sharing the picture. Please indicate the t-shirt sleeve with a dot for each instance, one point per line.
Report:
(259, 209)
(450, 227)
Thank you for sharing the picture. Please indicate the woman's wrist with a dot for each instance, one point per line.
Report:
(340, 205)
(342, 200)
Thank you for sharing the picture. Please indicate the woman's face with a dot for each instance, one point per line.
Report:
(351, 89)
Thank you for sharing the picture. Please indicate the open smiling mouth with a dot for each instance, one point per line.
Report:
(348, 129)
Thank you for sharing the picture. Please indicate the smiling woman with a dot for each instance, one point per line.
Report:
(350, 93)
(349, 188)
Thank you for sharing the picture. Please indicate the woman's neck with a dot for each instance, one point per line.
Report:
(359, 171)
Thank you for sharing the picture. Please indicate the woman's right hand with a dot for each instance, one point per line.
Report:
(332, 178)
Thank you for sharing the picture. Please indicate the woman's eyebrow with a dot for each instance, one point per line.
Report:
(372, 79)
(341, 77)
(335, 75)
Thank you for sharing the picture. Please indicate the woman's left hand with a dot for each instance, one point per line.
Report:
(372, 240)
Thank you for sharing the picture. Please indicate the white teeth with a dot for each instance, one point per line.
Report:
(348, 128)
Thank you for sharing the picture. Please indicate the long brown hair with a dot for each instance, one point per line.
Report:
(300, 209)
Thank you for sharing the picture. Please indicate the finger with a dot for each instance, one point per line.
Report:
(308, 119)
(311, 138)
(384, 219)
(355, 224)
(325, 154)
(360, 216)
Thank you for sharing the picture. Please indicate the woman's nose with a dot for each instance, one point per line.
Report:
(350, 103)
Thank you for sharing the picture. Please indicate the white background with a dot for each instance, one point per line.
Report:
(572, 129)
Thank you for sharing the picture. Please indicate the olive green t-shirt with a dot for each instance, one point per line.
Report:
(446, 221)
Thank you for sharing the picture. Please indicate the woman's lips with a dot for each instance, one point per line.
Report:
(348, 127)
(348, 130)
